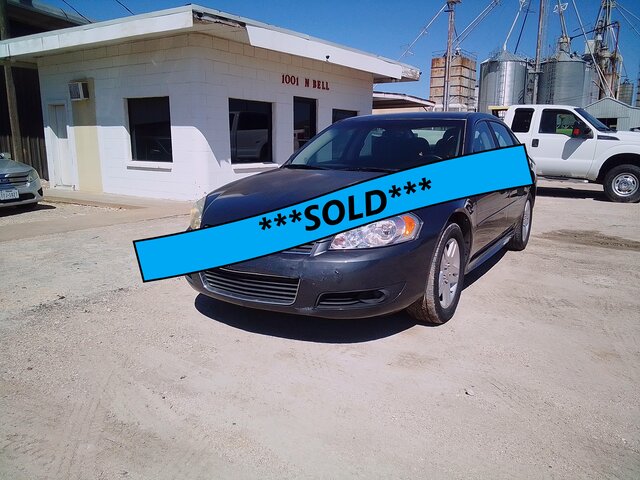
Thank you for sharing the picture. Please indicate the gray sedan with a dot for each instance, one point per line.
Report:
(19, 183)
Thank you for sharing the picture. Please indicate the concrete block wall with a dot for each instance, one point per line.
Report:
(199, 73)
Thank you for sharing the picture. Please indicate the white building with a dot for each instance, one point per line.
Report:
(184, 100)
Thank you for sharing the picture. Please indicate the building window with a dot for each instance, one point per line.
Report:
(304, 121)
(250, 129)
(342, 114)
(150, 129)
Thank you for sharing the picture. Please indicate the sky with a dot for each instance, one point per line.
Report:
(387, 28)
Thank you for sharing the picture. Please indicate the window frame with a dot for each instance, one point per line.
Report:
(235, 118)
(133, 140)
(313, 118)
(523, 109)
(491, 137)
(558, 111)
(513, 138)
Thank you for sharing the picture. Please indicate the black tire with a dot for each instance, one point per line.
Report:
(523, 228)
(622, 184)
(429, 309)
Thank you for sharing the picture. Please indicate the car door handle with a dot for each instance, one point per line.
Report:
(534, 142)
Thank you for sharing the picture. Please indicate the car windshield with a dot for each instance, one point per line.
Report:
(601, 127)
(384, 145)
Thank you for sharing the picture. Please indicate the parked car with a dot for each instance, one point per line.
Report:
(569, 142)
(416, 261)
(19, 183)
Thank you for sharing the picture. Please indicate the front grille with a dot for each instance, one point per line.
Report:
(14, 180)
(302, 249)
(251, 286)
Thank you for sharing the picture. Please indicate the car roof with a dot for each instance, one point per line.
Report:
(473, 116)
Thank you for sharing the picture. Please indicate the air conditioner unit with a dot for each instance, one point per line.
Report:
(78, 91)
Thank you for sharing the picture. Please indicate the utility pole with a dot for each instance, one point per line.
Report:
(12, 103)
(447, 65)
(536, 73)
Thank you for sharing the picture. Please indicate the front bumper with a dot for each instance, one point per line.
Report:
(331, 284)
(28, 193)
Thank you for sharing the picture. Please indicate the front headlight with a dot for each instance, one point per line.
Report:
(386, 232)
(196, 213)
(33, 176)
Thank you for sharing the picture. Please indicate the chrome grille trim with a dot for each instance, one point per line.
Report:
(12, 180)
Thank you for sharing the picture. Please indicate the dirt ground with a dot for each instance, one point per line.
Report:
(537, 375)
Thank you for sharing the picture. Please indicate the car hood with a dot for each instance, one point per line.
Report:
(273, 190)
(11, 166)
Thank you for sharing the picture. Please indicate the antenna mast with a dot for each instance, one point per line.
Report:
(447, 66)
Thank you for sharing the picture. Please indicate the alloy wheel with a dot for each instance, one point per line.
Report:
(526, 220)
(449, 273)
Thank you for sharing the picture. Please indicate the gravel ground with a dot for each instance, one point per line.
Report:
(536, 376)
(54, 211)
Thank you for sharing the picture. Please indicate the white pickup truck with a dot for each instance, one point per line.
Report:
(568, 142)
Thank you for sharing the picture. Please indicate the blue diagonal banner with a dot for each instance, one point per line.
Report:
(332, 213)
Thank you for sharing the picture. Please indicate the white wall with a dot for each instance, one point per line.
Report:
(199, 73)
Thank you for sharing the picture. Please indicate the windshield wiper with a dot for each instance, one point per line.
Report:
(304, 166)
(370, 169)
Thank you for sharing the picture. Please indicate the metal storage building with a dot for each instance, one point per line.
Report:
(615, 114)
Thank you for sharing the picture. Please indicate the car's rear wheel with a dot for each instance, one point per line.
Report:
(523, 228)
(622, 184)
(445, 279)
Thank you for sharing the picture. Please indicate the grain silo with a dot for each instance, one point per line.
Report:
(562, 80)
(625, 92)
(503, 81)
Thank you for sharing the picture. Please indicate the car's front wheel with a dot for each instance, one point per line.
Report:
(445, 280)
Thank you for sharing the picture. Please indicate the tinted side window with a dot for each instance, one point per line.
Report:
(482, 138)
(522, 120)
(502, 135)
(560, 122)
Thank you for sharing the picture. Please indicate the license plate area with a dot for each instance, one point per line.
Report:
(10, 194)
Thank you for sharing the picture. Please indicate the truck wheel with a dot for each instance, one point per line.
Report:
(523, 229)
(622, 184)
(445, 280)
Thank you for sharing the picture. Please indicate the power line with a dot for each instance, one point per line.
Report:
(600, 74)
(422, 32)
(628, 11)
(628, 21)
(73, 8)
(124, 6)
(526, 14)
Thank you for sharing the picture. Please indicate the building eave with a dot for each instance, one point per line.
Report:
(194, 18)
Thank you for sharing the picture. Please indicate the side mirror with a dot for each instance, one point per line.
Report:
(581, 131)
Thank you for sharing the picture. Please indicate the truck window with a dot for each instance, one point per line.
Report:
(522, 120)
(560, 122)
(502, 135)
